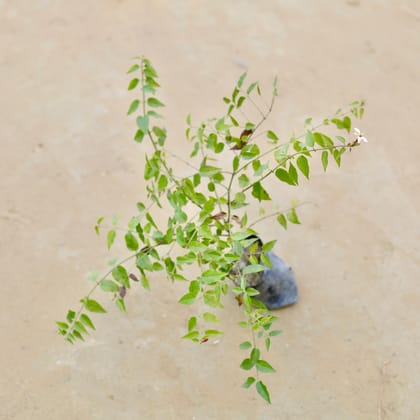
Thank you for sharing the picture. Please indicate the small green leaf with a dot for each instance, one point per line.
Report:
(70, 315)
(133, 83)
(309, 139)
(120, 304)
(247, 364)
(78, 335)
(251, 87)
(284, 176)
(192, 323)
(264, 366)
(272, 135)
(248, 382)
(241, 100)
(241, 79)
(155, 103)
(274, 333)
(293, 217)
(192, 335)
(324, 159)
(111, 238)
(143, 123)
(293, 174)
(133, 68)
(62, 325)
(93, 306)
(187, 299)
(255, 355)
(213, 333)
(235, 163)
(144, 282)
(243, 181)
(87, 321)
(109, 286)
(253, 268)
(263, 391)
(302, 163)
(282, 220)
(259, 192)
(245, 345)
(78, 326)
(131, 242)
(133, 107)
(121, 276)
(267, 343)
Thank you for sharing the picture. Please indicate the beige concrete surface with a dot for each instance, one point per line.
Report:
(350, 348)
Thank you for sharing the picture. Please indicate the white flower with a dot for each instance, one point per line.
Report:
(360, 138)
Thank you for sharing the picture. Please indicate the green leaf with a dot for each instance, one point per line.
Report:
(192, 335)
(309, 139)
(78, 335)
(241, 79)
(263, 391)
(274, 333)
(155, 103)
(253, 268)
(248, 382)
(241, 100)
(133, 68)
(131, 242)
(235, 164)
(93, 306)
(192, 323)
(120, 304)
(111, 238)
(78, 326)
(245, 345)
(259, 192)
(87, 321)
(143, 123)
(187, 299)
(293, 174)
(255, 355)
(213, 333)
(293, 217)
(284, 176)
(250, 151)
(210, 318)
(133, 107)
(121, 276)
(302, 163)
(144, 282)
(264, 366)
(247, 364)
(324, 159)
(251, 87)
(109, 286)
(62, 325)
(282, 220)
(267, 343)
(212, 276)
(271, 135)
(243, 181)
(70, 315)
(133, 83)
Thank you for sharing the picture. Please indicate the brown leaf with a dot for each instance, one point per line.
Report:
(219, 216)
(133, 277)
(122, 292)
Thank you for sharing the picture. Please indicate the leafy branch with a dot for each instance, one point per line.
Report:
(217, 236)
